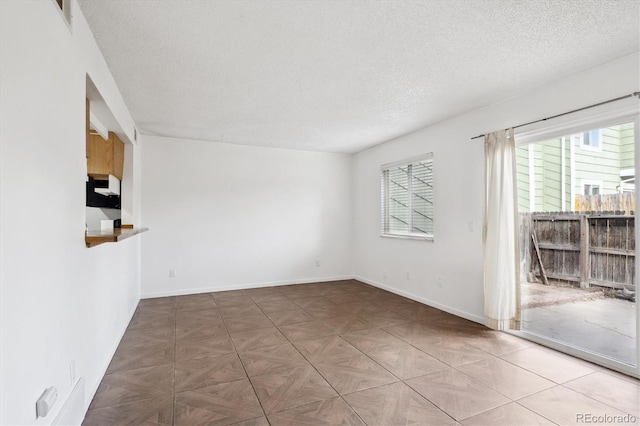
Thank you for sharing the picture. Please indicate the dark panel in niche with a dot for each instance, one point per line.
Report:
(95, 199)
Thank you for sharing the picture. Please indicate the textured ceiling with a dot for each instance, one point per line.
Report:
(341, 76)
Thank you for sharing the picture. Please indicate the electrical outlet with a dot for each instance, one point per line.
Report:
(317, 263)
(439, 282)
(470, 226)
(172, 273)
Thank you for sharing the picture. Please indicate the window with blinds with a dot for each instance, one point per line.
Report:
(407, 198)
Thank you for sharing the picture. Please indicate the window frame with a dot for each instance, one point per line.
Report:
(591, 183)
(605, 116)
(589, 146)
(384, 201)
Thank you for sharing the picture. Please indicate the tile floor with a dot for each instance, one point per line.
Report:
(341, 353)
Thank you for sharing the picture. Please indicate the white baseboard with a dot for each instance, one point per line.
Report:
(183, 292)
(73, 410)
(449, 309)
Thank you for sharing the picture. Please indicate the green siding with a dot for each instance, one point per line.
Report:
(522, 171)
(548, 174)
(551, 161)
(568, 203)
(602, 164)
(538, 173)
(627, 143)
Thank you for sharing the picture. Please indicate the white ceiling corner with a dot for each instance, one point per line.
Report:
(341, 76)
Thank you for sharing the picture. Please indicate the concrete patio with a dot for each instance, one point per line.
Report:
(582, 318)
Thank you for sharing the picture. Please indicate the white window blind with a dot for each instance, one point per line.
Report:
(407, 198)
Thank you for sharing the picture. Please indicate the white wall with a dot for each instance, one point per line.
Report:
(60, 302)
(228, 216)
(456, 254)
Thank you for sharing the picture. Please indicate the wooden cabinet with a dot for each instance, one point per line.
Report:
(105, 157)
(118, 156)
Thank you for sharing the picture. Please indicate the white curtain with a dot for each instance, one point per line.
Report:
(501, 252)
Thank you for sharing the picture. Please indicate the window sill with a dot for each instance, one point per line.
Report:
(409, 237)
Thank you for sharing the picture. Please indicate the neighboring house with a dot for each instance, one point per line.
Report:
(553, 172)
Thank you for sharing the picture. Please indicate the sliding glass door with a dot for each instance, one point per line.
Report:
(577, 208)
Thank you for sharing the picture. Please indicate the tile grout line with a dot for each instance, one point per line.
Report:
(403, 381)
(290, 342)
(245, 368)
(399, 380)
(237, 354)
(538, 374)
(407, 384)
(321, 375)
(452, 367)
(588, 396)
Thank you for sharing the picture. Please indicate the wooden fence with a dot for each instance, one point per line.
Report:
(618, 203)
(588, 249)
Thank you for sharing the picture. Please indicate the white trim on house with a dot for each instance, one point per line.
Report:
(627, 180)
